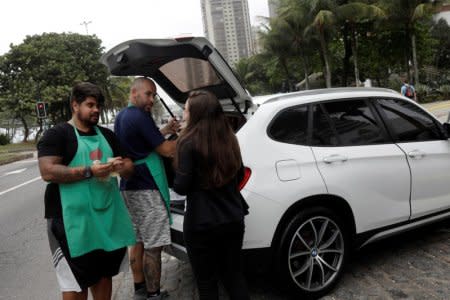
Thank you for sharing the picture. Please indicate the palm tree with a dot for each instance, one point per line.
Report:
(353, 14)
(405, 14)
(294, 20)
(324, 19)
(276, 42)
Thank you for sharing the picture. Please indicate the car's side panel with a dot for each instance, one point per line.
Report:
(374, 179)
(282, 174)
(430, 169)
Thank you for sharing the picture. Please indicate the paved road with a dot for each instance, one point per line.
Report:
(26, 270)
(25, 262)
(413, 266)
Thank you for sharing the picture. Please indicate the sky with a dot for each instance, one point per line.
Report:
(112, 21)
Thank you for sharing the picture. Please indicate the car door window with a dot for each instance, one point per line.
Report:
(290, 126)
(408, 122)
(322, 132)
(355, 123)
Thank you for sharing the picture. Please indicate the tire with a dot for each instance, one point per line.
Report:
(312, 252)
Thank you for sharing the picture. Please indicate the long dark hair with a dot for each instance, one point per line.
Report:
(212, 139)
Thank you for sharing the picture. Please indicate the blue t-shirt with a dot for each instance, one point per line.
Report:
(138, 135)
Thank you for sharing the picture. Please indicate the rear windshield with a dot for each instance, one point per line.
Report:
(235, 120)
(190, 74)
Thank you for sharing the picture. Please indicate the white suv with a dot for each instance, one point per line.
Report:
(327, 170)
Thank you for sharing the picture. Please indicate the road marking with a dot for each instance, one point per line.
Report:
(25, 161)
(20, 185)
(15, 172)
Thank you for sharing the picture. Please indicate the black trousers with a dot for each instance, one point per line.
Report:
(215, 254)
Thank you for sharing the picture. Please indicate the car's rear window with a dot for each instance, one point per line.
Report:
(190, 73)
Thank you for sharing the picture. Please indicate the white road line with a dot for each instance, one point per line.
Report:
(15, 171)
(20, 185)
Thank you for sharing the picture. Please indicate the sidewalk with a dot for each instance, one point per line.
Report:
(439, 109)
(176, 278)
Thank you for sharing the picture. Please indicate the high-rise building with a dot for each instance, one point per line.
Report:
(227, 25)
(273, 8)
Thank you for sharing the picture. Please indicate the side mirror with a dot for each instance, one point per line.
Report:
(447, 129)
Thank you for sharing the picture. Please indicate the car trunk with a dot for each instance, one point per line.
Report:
(180, 66)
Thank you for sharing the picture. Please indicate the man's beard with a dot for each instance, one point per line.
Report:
(89, 121)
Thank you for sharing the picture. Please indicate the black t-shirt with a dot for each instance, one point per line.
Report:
(61, 141)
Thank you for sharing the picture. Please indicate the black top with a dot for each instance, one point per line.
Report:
(206, 208)
(61, 141)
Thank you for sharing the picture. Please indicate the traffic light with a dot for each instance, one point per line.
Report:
(41, 110)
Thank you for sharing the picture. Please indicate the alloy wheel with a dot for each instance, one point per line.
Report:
(316, 253)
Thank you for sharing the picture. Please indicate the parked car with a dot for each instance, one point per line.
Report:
(326, 170)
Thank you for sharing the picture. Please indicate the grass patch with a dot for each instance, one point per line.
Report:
(18, 147)
(14, 152)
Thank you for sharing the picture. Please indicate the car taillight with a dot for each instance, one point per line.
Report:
(247, 173)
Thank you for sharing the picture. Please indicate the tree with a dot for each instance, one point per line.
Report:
(295, 18)
(260, 74)
(440, 32)
(279, 44)
(353, 14)
(323, 21)
(406, 14)
(45, 67)
(117, 93)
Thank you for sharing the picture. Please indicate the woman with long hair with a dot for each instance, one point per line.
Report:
(208, 170)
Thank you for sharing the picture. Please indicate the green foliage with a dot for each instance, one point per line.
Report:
(395, 83)
(44, 68)
(370, 39)
(4, 139)
(440, 32)
(422, 93)
(445, 90)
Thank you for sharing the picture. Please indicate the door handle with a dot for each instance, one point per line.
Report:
(334, 158)
(416, 154)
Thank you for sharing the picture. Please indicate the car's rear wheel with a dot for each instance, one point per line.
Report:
(312, 252)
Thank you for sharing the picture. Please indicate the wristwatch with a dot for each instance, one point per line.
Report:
(87, 172)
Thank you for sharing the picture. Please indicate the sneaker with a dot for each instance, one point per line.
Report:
(140, 294)
(162, 295)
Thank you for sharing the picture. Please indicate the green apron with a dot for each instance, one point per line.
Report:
(94, 213)
(155, 165)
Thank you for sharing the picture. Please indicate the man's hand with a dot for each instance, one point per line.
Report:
(122, 166)
(101, 171)
(172, 127)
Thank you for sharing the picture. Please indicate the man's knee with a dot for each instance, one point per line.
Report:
(153, 251)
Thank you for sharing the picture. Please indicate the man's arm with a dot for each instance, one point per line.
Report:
(167, 148)
(53, 170)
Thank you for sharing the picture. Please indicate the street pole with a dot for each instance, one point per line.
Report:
(86, 25)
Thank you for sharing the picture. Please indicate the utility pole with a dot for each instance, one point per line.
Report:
(86, 25)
